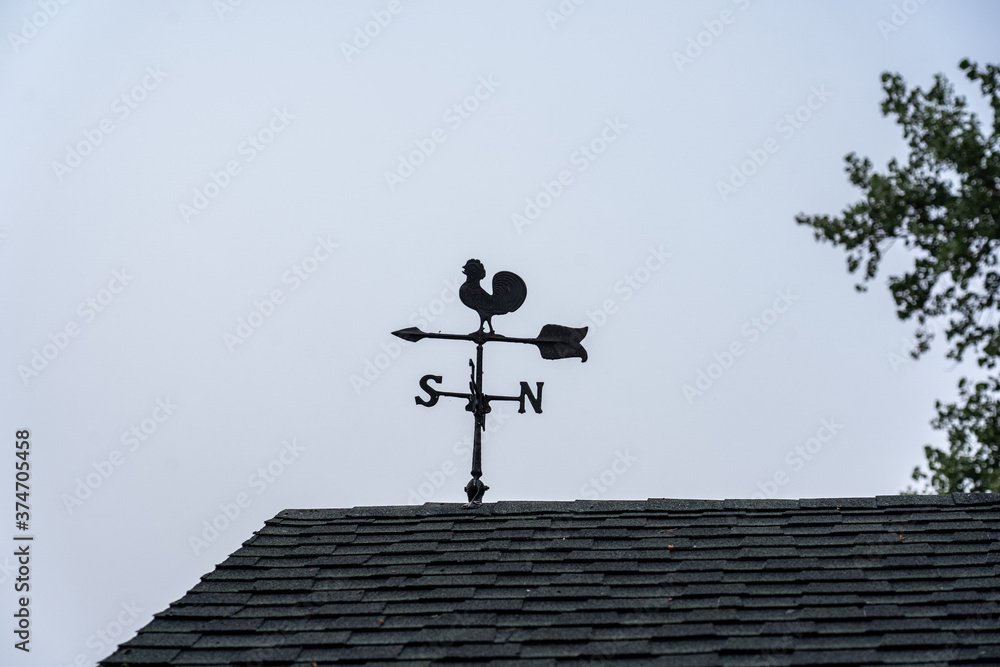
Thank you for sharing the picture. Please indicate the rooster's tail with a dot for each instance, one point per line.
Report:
(509, 292)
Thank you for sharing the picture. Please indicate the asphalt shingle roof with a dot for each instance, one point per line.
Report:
(892, 580)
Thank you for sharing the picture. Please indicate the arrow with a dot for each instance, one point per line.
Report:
(554, 341)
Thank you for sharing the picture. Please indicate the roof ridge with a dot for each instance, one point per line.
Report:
(505, 507)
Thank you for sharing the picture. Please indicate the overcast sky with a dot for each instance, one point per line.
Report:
(216, 213)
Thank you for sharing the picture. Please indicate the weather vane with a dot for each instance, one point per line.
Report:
(553, 342)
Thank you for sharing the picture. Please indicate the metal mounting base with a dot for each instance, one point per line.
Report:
(475, 490)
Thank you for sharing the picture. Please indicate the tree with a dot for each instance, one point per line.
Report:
(944, 205)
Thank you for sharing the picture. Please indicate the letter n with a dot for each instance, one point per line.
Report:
(536, 401)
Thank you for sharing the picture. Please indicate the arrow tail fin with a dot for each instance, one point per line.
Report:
(559, 342)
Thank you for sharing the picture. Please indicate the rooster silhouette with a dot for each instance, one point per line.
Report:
(509, 292)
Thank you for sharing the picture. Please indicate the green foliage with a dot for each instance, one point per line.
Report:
(944, 205)
(973, 460)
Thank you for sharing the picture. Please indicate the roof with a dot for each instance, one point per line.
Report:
(908, 580)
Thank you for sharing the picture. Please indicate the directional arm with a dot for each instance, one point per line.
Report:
(433, 395)
(553, 342)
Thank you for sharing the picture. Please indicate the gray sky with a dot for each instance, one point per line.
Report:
(172, 167)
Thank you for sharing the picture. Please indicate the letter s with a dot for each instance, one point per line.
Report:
(432, 393)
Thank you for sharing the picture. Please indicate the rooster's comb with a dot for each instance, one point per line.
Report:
(474, 266)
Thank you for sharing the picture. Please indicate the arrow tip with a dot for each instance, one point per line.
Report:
(412, 334)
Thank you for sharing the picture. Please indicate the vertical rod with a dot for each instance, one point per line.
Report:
(475, 488)
(480, 417)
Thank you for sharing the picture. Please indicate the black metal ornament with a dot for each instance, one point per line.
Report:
(553, 342)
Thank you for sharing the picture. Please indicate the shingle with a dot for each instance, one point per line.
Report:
(140, 656)
(809, 503)
(976, 498)
(228, 624)
(381, 636)
(317, 637)
(560, 605)
(476, 604)
(835, 657)
(412, 654)
(555, 634)
(180, 610)
(352, 654)
(478, 651)
(906, 500)
(553, 650)
(254, 640)
(763, 504)
(430, 580)
(152, 639)
(676, 505)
